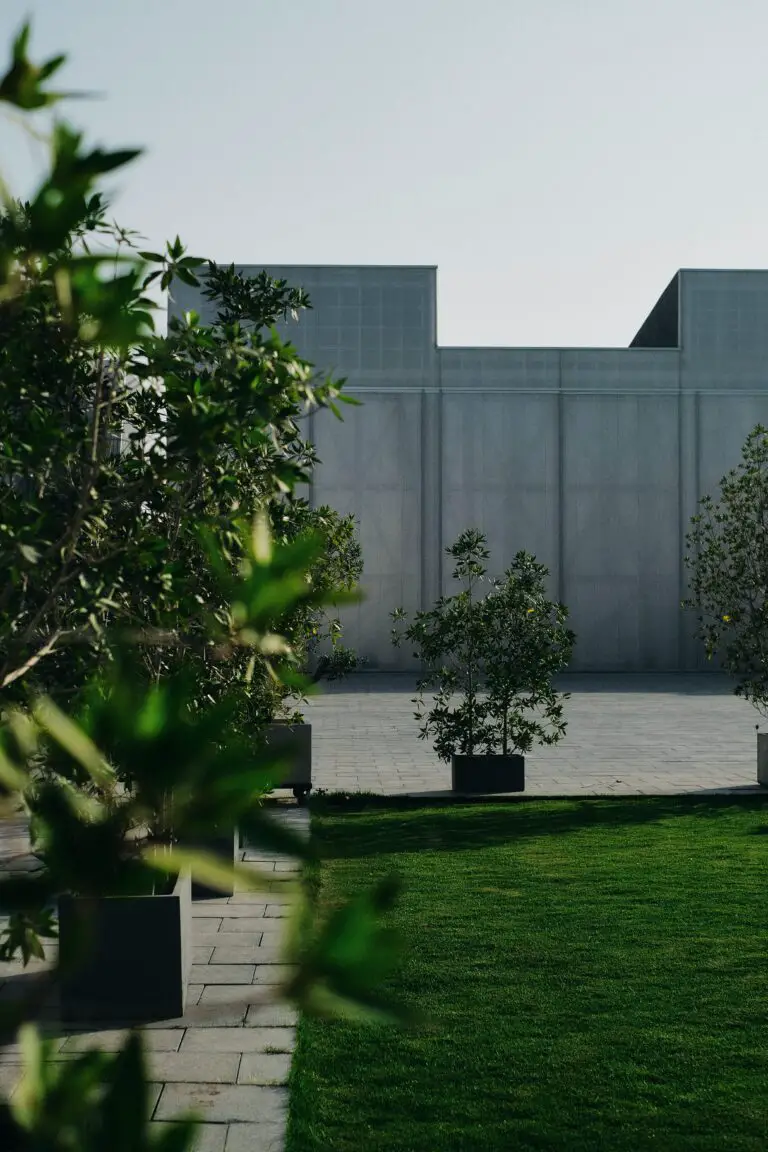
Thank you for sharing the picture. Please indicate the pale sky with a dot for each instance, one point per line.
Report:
(558, 160)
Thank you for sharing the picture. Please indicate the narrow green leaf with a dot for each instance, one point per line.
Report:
(73, 740)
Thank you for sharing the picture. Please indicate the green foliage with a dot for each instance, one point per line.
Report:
(257, 301)
(138, 754)
(23, 935)
(132, 457)
(727, 561)
(528, 643)
(148, 624)
(352, 939)
(495, 645)
(316, 636)
(23, 84)
(207, 425)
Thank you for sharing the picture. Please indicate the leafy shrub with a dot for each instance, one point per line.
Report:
(495, 646)
(727, 559)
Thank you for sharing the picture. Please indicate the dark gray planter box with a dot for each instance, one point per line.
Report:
(293, 742)
(481, 774)
(133, 955)
(762, 759)
(225, 845)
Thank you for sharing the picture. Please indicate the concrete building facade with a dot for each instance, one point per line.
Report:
(594, 459)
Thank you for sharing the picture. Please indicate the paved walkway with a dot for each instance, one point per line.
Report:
(228, 1057)
(636, 735)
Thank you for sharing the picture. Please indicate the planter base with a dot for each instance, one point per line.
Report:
(293, 742)
(477, 775)
(129, 956)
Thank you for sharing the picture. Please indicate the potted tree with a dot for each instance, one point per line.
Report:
(727, 559)
(139, 777)
(315, 636)
(124, 928)
(123, 793)
(489, 655)
(107, 824)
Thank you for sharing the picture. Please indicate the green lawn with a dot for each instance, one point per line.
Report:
(595, 974)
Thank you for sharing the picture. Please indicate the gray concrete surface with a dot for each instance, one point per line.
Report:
(627, 734)
(592, 458)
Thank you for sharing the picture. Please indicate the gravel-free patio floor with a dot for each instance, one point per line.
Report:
(628, 734)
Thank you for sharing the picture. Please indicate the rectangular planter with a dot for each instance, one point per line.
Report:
(481, 774)
(762, 759)
(293, 742)
(132, 955)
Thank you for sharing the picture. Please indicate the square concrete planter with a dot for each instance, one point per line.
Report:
(132, 955)
(482, 774)
(293, 742)
(762, 759)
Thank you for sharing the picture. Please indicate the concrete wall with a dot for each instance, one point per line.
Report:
(593, 459)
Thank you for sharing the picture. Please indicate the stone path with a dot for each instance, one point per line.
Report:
(632, 734)
(229, 1056)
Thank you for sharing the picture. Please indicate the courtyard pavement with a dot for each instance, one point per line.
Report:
(627, 734)
(228, 1058)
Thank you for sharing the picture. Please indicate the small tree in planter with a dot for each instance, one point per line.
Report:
(138, 772)
(727, 559)
(496, 645)
(315, 634)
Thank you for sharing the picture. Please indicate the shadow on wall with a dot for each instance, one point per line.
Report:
(378, 826)
(663, 683)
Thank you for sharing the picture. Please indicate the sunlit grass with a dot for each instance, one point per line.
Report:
(595, 974)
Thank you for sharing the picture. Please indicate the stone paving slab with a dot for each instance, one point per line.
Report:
(110, 1040)
(228, 911)
(267, 1068)
(224, 1103)
(223, 973)
(254, 1138)
(271, 1015)
(194, 1067)
(239, 1040)
(627, 735)
(251, 899)
(238, 953)
(210, 1137)
(245, 924)
(236, 996)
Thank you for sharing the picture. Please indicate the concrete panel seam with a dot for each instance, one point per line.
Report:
(560, 485)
